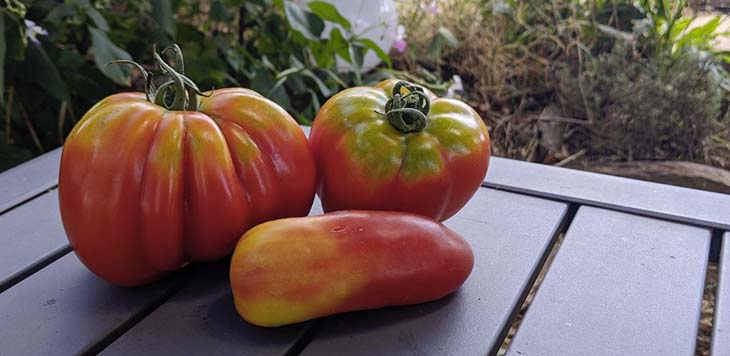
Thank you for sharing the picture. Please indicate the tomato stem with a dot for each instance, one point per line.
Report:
(408, 113)
(185, 92)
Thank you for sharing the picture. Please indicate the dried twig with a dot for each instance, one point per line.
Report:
(61, 119)
(31, 129)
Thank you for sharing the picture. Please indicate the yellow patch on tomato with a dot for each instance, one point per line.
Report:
(283, 279)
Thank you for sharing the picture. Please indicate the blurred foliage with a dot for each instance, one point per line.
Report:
(53, 56)
(514, 57)
(517, 58)
(642, 109)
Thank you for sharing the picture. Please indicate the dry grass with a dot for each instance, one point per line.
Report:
(708, 307)
(516, 63)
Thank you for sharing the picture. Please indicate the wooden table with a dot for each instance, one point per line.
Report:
(627, 280)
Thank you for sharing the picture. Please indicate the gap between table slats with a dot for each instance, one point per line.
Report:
(617, 281)
(720, 341)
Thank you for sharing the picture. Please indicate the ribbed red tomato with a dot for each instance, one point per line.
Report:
(145, 188)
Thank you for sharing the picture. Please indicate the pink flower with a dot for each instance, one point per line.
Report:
(400, 39)
(400, 45)
(433, 7)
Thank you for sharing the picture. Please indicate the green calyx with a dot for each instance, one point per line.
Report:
(178, 92)
(408, 113)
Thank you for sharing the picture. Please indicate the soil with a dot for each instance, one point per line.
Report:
(679, 173)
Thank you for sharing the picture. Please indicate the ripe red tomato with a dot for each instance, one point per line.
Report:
(143, 189)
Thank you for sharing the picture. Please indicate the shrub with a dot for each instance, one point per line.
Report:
(641, 108)
(623, 78)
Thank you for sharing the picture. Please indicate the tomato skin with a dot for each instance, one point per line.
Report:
(144, 190)
(296, 269)
(363, 162)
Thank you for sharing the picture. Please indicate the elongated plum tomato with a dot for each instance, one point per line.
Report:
(407, 152)
(290, 270)
(145, 188)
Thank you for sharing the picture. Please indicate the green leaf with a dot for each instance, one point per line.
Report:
(328, 12)
(339, 44)
(162, 12)
(302, 21)
(97, 18)
(356, 53)
(449, 38)
(39, 69)
(320, 84)
(70, 61)
(700, 36)
(370, 44)
(262, 83)
(336, 78)
(289, 71)
(679, 27)
(219, 12)
(316, 105)
(3, 49)
(60, 12)
(276, 86)
(104, 52)
(443, 37)
(435, 47)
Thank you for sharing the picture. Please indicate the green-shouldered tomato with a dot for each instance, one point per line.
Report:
(397, 147)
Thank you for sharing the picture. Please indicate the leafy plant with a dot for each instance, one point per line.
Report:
(517, 58)
(43, 84)
(644, 109)
(298, 57)
(54, 57)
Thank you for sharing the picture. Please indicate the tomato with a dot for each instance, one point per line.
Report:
(410, 152)
(290, 270)
(144, 188)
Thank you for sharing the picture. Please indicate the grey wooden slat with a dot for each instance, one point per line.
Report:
(509, 234)
(202, 320)
(630, 195)
(721, 331)
(64, 309)
(619, 285)
(30, 235)
(29, 179)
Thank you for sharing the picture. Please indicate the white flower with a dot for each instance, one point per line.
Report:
(501, 8)
(400, 32)
(32, 30)
(385, 7)
(359, 25)
(457, 86)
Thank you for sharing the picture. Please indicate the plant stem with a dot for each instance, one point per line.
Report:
(61, 120)
(8, 113)
(31, 129)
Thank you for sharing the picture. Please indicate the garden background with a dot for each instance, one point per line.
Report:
(635, 88)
